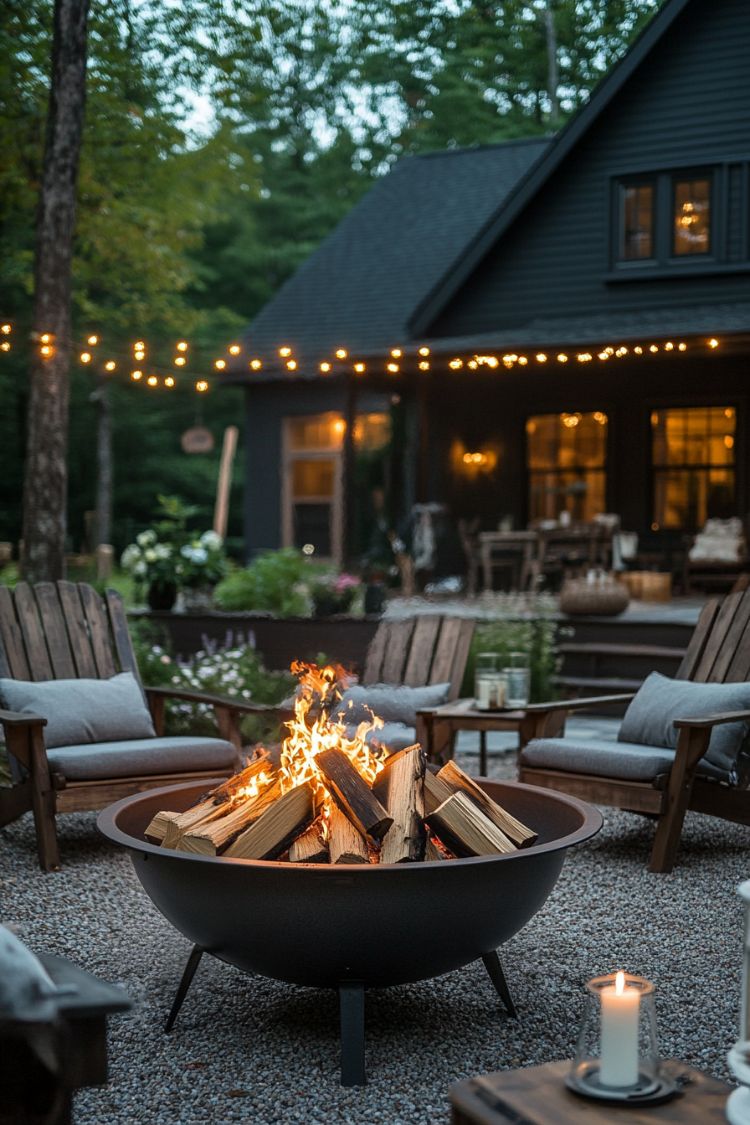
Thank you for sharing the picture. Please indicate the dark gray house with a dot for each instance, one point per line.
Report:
(530, 327)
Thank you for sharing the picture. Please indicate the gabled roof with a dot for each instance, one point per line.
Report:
(515, 202)
(364, 283)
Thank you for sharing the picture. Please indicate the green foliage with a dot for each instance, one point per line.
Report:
(534, 634)
(276, 582)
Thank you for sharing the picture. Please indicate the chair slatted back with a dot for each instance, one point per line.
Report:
(61, 631)
(719, 650)
(428, 649)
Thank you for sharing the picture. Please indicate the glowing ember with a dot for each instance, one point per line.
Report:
(313, 729)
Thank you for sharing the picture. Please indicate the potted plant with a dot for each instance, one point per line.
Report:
(202, 565)
(333, 593)
(154, 565)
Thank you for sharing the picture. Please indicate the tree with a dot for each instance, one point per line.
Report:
(45, 481)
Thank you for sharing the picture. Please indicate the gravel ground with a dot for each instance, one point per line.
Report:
(247, 1049)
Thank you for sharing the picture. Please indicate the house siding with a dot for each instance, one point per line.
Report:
(687, 105)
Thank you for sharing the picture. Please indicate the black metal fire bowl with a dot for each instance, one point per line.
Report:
(352, 926)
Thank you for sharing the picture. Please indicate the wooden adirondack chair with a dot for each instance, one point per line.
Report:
(67, 631)
(718, 652)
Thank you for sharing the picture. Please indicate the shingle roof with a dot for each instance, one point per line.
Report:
(362, 285)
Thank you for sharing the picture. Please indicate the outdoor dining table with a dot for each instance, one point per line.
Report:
(529, 554)
(517, 550)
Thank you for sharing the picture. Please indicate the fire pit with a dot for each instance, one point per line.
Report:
(352, 926)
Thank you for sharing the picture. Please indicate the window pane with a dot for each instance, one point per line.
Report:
(312, 524)
(693, 459)
(566, 456)
(315, 431)
(636, 221)
(692, 216)
(313, 478)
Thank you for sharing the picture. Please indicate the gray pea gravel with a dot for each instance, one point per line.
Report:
(247, 1049)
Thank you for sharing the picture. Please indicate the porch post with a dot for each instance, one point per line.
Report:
(349, 470)
(423, 439)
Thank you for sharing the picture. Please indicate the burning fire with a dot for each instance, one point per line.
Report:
(313, 729)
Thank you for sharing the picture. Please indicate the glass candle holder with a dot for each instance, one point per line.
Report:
(617, 1053)
(518, 679)
(489, 683)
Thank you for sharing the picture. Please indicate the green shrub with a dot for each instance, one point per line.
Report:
(277, 582)
(534, 633)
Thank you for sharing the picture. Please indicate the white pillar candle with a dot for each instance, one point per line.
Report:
(619, 1034)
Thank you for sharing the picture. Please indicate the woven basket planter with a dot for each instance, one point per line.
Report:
(602, 599)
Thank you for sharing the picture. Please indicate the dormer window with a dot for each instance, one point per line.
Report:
(691, 216)
(636, 221)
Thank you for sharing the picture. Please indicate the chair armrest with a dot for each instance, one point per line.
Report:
(712, 720)
(20, 719)
(576, 704)
(230, 704)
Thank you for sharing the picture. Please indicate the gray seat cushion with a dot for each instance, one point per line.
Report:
(624, 761)
(396, 736)
(82, 711)
(142, 756)
(649, 719)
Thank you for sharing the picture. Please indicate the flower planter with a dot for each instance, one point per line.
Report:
(161, 596)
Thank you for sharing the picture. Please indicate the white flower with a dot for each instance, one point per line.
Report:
(211, 540)
(150, 556)
(139, 569)
(130, 556)
(146, 538)
(162, 551)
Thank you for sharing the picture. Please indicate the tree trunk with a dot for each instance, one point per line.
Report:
(552, 72)
(103, 463)
(45, 474)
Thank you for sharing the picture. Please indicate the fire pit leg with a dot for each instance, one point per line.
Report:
(352, 1015)
(187, 977)
(494, 967)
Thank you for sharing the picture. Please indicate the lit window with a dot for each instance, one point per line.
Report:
(566, 458)
(693, 457)
(692, 217)
(636, 221)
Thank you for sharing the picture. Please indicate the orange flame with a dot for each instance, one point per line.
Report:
(314, 729)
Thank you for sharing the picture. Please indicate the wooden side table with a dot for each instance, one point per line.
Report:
(437, 728)
(537, 1095)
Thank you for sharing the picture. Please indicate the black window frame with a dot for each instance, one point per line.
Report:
(684, 175)
(621, 186)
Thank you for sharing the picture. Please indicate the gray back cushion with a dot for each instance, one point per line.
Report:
(392, 704)
(649, 720)
(82, 711)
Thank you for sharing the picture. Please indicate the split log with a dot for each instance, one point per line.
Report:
(344, 841)
(466, 830)
(212, 837)
(309, 847)
(352, 794)
(460, 782)
(274, 831)
(435, 791)
(169, 826)
(399, 787)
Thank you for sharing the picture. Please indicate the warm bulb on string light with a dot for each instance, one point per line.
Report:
(653, 348)
(110, 365)
(234, 349)
(220, 364)
(523, 360)
(179, 361)
(541, 357)
(256, 364)
(139, 356)
(152, 381)
(139, 346)
(85, 357)
(423, 351)
(182, 346)
(396, 353)
(6, 329)
(682, 347)
(285, 351)
(169, 381)
(392, 367)
(562, 358)
(424, 365)
(136, 376)
(291, 365)
(5, 346)
(456, 364)
(359, 368)
(46, 350)
(341, 353)
(638, 350)
(669, 346)
(92, 340)
(46, 338)
(324, 367)
(201, 386)
(713, 342)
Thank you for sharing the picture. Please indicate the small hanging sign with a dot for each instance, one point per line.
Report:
(197, 440)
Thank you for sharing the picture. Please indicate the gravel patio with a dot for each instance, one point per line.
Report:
(253, 1050)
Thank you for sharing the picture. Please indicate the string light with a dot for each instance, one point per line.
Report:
(562, 358)
(152, 381)
(283, 352)
(341, 353)
(541, 357)
(6, 329)
(359, 368)
(291, 365)
(653, 348)
(110, 365)
(424, 351)
(256, 364)
(182, 346)
(169, 381)
(638, 349)
(93, 340)
(136, 376)
(713, 342)
(423, 365)
(179, 361)
(392, 367)
(682, 347)
(5, 346)
(201, 386)
(85, 357)
(396, 353)
(324, 367)
(46, 337)
(234, 349)
(46, 350)
(523, 360)
(456, 364)
(219, 364)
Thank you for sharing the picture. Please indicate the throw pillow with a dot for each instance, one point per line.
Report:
(393, 704)
(83, 711)
(649, 720)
